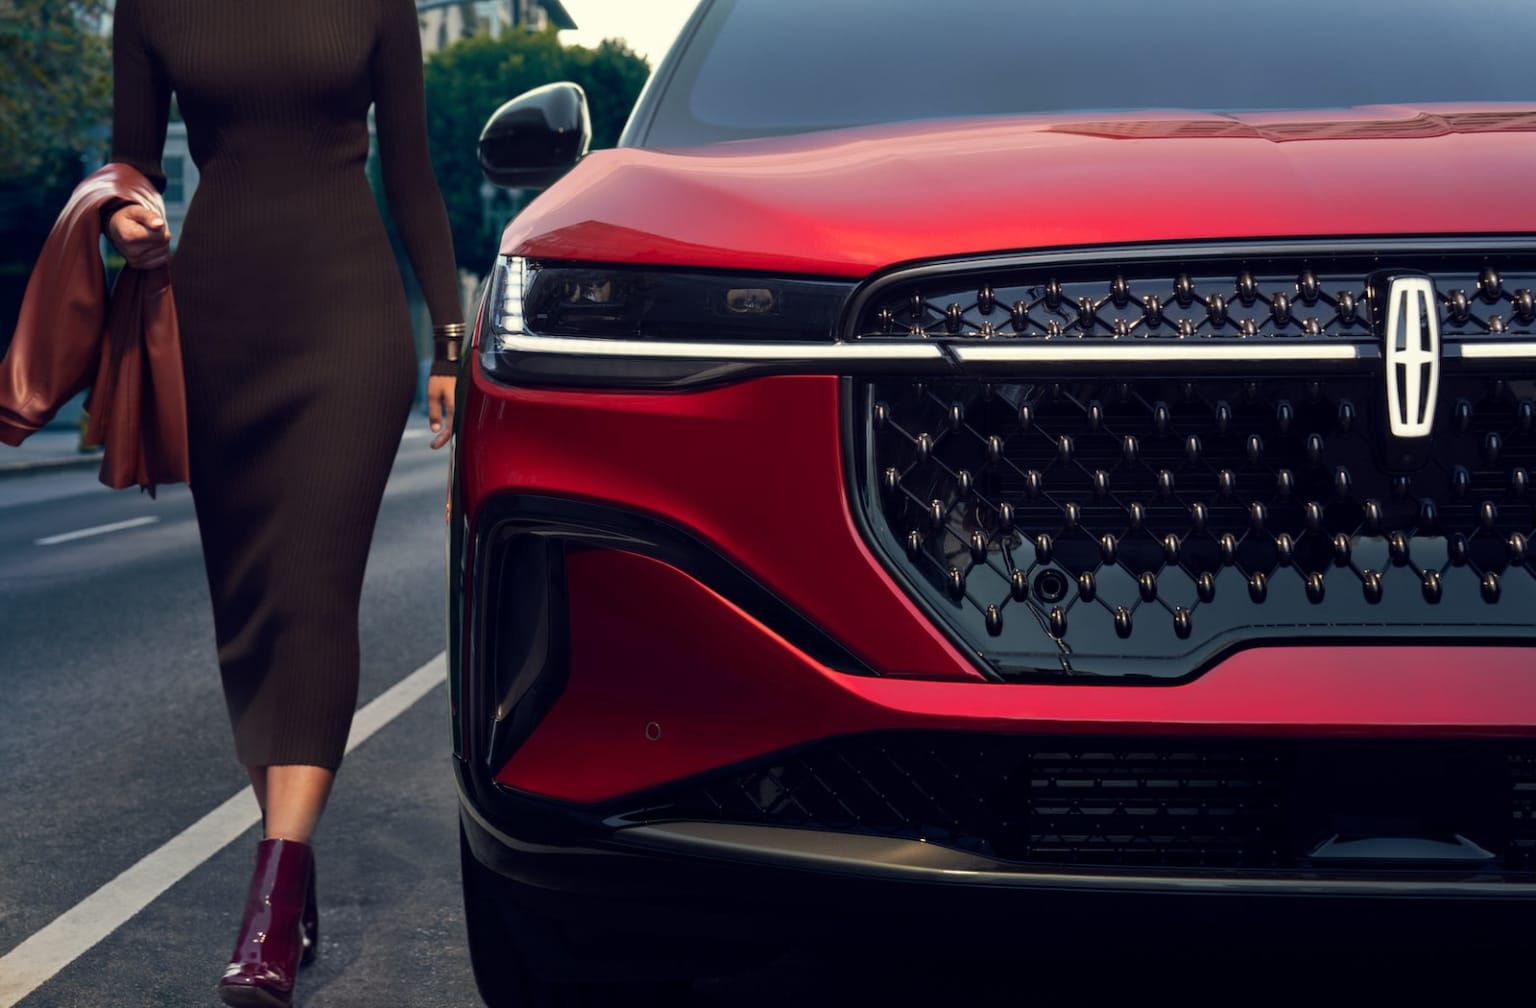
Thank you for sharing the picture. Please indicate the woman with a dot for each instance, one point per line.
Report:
(300, 369)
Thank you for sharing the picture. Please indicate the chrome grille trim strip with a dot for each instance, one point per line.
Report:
(941, 353)
(870, 352)
(1490, 351)
(1195, 351)
(810, 353)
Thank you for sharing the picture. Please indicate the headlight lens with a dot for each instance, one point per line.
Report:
(646, 303)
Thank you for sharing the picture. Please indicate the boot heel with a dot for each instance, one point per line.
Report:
(310, 923)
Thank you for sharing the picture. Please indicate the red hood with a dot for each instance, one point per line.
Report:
(848, 202)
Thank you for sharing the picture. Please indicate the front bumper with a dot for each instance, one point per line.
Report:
(761, 887)
(705, 601)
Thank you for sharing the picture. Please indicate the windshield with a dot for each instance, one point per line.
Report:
(767, 67)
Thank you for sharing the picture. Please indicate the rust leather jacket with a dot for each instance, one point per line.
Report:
(126, 349)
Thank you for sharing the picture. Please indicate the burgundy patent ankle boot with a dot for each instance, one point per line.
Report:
(311, 921)
(266, 958)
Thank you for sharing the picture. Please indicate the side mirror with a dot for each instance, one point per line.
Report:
(536, 137)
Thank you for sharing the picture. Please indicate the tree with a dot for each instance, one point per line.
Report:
(55, 98)
(55, 83)
(469, 80)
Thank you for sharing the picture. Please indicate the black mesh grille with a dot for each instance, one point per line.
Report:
(1138, 521)
(1249, 805)
(1318, 297)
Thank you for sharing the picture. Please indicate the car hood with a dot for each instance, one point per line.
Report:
(850, 202)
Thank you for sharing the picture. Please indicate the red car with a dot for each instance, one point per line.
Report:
(1000, 460)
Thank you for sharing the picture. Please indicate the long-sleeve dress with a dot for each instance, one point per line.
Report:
(299, 359)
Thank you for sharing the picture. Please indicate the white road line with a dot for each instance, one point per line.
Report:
(35, 961)
(94, 530)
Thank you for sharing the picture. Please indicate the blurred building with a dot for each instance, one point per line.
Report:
(444, 22)
(180, 176)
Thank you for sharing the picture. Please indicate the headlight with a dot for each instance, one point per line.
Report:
(626, 303)
(607, 326)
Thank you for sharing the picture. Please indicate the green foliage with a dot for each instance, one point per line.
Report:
(55, 95)
(55, 84)
(612, 76)
(469, 80)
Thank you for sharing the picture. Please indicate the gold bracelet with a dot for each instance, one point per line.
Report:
(448, 338)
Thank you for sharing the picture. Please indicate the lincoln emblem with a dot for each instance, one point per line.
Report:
(1412, 344)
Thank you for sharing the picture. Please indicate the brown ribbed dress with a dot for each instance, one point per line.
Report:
(300, 364)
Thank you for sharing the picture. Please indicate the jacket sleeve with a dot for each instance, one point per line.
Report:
(58, 330)
(141, 96)
(414, 199)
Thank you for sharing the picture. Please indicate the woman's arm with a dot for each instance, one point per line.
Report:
(141, 96)
(400, 116)
(141, 103)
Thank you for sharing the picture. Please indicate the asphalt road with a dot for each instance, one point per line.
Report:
(113, 741)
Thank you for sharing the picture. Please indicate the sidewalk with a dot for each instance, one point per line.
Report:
(49, 448)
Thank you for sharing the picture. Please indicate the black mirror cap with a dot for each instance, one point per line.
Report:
(536, 137)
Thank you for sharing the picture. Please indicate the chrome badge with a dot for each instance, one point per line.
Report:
(1412, 345)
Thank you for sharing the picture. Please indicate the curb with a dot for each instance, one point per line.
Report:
(26, 466)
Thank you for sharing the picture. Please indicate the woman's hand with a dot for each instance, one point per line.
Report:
(141, 235)
(440, 390)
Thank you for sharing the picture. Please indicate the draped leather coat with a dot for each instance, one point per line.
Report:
(126, 348)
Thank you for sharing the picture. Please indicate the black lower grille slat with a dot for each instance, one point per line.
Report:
(1147, 808)
(1230, 805)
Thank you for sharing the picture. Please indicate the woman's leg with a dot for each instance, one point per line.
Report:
(279, 931)
(294, 798)
(291, 799)
(300, 797)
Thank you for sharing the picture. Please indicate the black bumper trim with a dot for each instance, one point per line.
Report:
(754, 883)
